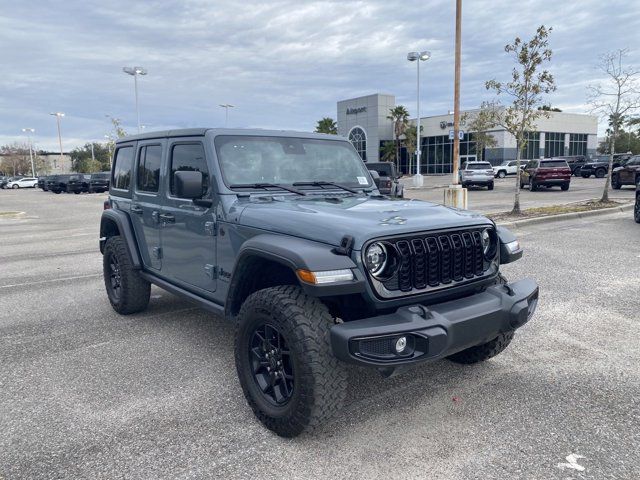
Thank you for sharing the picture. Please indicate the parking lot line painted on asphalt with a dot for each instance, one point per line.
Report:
(61, 279)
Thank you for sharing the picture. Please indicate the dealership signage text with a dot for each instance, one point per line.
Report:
(353, 111)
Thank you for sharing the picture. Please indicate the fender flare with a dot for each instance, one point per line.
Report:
(296, 253)
(125, 229)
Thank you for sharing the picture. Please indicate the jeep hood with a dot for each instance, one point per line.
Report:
(327, 220)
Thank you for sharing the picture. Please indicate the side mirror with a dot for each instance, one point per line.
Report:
(189, 184)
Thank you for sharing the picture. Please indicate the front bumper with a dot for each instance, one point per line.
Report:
(435, 331)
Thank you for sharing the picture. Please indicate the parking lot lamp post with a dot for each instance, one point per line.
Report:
(29, 131)
(226, 107)
(109, 148)
(135, 71)
(418, 57)
(58, 115)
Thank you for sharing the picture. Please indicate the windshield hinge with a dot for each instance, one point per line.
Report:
(346, 246)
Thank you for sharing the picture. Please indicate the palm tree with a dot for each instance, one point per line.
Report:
(388, 152)
(400, 118)
(327, 125)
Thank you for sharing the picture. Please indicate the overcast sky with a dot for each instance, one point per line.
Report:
(283, 63)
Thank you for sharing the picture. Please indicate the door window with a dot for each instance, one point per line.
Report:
(148, 175)
(123, 161)
(188, 157)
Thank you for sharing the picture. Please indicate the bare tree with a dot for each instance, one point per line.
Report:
(615, 99)
(525, 89)
(479, 123)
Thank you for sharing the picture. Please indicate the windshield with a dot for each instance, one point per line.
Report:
(99, 176)
(478, 166)
(280, 160)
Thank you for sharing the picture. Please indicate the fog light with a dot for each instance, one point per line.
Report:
(401, 344)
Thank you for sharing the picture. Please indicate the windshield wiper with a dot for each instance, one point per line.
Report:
(266, 186)
(322, 183)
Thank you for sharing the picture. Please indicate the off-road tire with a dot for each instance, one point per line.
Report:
(483, 352)
(135, 291)
(600, 173)
(320, 380)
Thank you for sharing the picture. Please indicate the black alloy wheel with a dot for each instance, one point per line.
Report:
(271, 364)
(115, 278)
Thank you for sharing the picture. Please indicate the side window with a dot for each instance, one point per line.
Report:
(123, 160)
(188, 157)
(148, 174)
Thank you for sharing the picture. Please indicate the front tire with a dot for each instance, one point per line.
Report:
(128, 292)
(15, 186)
(490, 186)
(483, 352)
(615, 182)
(600, 173)
(532, 185)
(286, 369)
(502, 174)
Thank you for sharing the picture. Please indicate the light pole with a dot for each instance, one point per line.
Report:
(226, 107)
(29, 131)
(135, 71)
(109, 148)
(58, 115)
(418, 57)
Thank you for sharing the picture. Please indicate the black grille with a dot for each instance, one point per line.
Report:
(377, 347)
(436, 260)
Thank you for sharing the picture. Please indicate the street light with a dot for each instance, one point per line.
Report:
(226, 107)
(135, 71)
(58, 115)
(418, 57)
(29, 131)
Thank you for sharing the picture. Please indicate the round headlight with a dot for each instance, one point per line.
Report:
(488, 243)
(375, 258)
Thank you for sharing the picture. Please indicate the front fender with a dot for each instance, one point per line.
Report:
(297, 253)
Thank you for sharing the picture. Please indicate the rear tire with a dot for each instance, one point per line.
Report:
(318, 381)
(490, 186)
(584, 175)
(128, 292)
(565, 187)
(532, 185)
(483, 352)
(636, 209)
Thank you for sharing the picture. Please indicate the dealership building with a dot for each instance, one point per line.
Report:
(364, 122)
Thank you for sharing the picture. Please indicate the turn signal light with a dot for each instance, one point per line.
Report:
(327, 276)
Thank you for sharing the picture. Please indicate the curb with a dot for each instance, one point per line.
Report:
(565, 216)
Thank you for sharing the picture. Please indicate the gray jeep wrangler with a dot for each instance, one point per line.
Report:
(286, 235)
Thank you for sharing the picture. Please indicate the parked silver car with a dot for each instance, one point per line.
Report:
(477, 173)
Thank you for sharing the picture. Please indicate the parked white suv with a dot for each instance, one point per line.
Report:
(508, 167)
(28, 182)
(477, 173)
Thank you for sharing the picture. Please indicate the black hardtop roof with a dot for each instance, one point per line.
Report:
(198, 132)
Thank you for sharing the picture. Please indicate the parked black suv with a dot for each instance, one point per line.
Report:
(627, 174)
(78, 183)
(58, 183)
(575, 163)
(99, 182)
(286, 235)
(599, 166)
(388, 181)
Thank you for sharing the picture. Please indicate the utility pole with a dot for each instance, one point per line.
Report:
(455, 195)
(29, 131)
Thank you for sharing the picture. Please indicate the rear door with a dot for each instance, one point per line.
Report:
(188, 230)
(146, 201)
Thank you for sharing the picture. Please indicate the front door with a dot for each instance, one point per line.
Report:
(188, 230)
(628, 172)
(146, 202)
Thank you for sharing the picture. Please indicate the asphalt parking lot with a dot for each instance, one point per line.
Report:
(500, 199)
(85, 393)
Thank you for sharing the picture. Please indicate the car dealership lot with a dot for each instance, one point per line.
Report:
(501, 198)
(85, 393)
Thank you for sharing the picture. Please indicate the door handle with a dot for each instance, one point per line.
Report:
(136, 209)
(167, 218)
